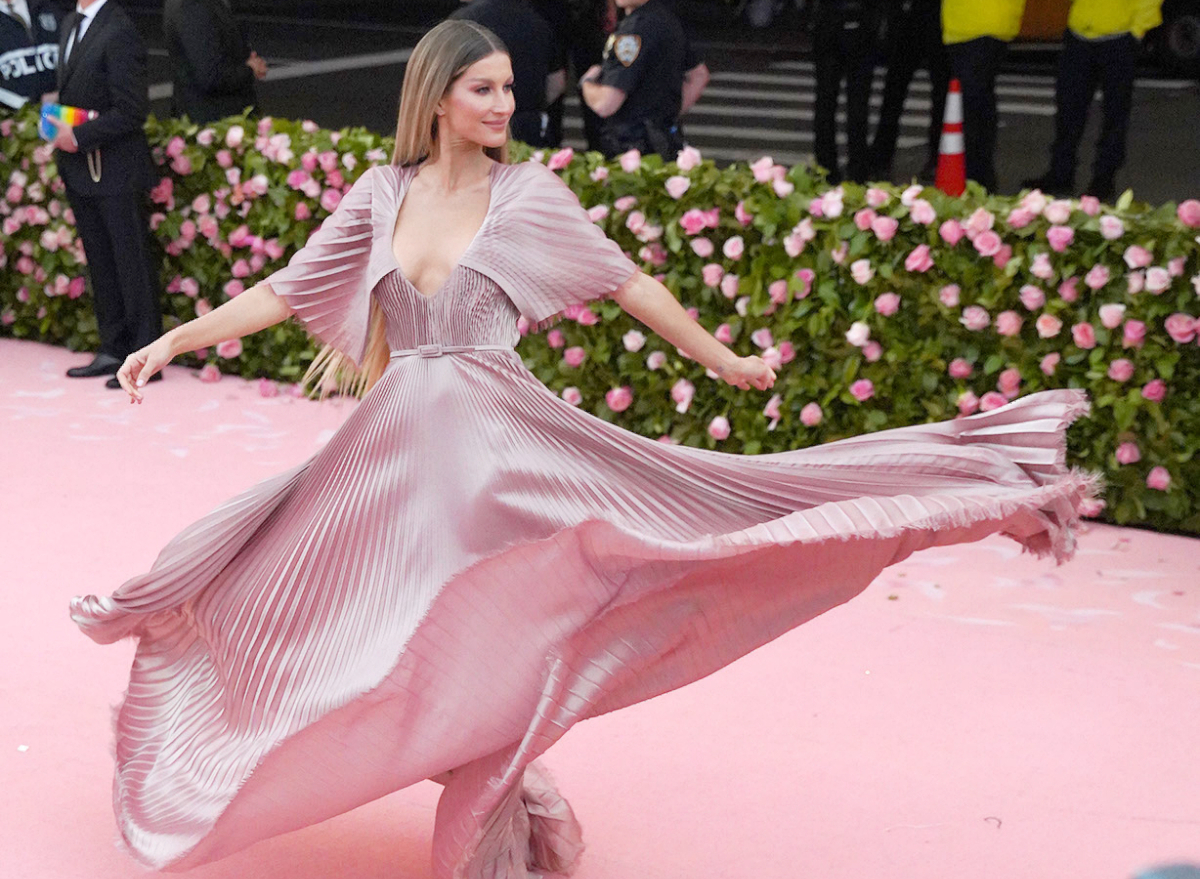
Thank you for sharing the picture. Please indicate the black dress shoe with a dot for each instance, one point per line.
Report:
(1104, 188)
(102, 364)
(1049, 186)
(115, 384)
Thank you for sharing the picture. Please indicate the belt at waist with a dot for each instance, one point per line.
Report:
(439, 350)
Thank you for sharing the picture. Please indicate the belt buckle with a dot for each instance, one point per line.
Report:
(429, 350)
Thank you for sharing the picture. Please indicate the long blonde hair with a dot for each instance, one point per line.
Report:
(439, 59)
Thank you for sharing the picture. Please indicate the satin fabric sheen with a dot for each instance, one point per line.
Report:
(471, 566)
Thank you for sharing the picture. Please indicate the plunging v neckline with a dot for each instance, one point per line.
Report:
(457, 263)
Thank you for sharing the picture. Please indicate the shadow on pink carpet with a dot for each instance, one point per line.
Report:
(974, 713)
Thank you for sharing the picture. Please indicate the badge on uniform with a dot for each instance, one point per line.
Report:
(627, 48)
(48, 21)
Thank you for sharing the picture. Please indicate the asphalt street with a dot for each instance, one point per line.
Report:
(760, 100)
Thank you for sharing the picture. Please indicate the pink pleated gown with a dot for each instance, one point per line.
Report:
(471, 565)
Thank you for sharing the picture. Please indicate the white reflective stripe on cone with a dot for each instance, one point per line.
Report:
(952, 144)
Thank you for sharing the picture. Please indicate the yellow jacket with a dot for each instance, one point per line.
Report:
(964, 20)
(1092, 19)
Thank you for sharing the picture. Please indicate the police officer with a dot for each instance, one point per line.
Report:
(538, 61)
(28, 51)
(650, 75)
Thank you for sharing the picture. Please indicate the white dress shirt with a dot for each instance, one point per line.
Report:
(89, 15)
(19, 8)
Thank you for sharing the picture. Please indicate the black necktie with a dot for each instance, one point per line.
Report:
(73, 45)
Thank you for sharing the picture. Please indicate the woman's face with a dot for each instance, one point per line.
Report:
(479, 104)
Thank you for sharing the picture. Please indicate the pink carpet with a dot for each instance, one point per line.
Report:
(974, 713)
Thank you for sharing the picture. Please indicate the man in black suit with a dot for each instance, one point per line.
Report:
(105, 164)
(212, 69)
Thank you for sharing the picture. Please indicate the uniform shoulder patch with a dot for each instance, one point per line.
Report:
(627, 48)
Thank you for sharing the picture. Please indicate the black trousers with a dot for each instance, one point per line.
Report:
(585, 47)
(975, 63)
(1084, 64)
(125, 292)
(914, 41)
(843, 50)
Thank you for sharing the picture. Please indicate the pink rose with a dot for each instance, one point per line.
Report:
(975, 318)
(1003, 256)
(1158, 279)
(1050, 363)
(908, 196)
(597, 213)
(951, 231)
(676, 186)
(1159, 479)
(330, 199)
(633, 341)
(234, 288)
(682, 393)
(832, 202)
(574, 356)
(1041, 267)
(630, 161)
(1135, 282)
(858, 334)
(811, 415)
(692, 221)
(762, 338)
(872, 351)
(1096, 277)
(1128, 453)
(1120, 370)
(772, 358)
(555, 339)
(864, 218)
(1009, 382)
(702, 247)
(1067, 289)
(877, 198)
(78, 286)
(1189, 213)
(887, 304)
(1133, 334)
(1035, 200)
(1176, 266)
(619, 399)
(203, 307)
(743, 216)
(190, 287)
(949, 295)
(241, 269)
(806, 278)
(980, 221)
(723, 333)
(992, 400)
(1058, 211)
(988, 243)
(919, 260)
(1089, 204)
(229, 349)
(1111, 228)
(1154, 391)
(1048, 326)
(734, 247)
(718, 428)
(561, 159)
(587, 318)
(783, 188)
(777, 291)
(1020, 217)
(624, 203)
(885, 227)
(656, 360)
(209, 373)
(234, 136)
(729, 286)
(862, 390)
(1111, 315)
(771, 410)
(787, 352)
(688, 158)
(1181, 327)
(959, 368)
(968, 403)
(1008, 323)
(712, 274)
(1137, 257)
(922, 212)
(861, 271)
(267, 388)
(839, 253)
(1060, 237)
(572, 396)
(1084, 335)
(1032, 297)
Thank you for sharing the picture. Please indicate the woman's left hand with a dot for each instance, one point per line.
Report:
(747, 372)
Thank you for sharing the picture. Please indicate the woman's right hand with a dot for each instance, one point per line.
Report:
(141, 364)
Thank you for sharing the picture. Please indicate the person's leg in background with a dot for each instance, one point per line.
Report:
(937, 62)
(975, 64)
(125, 222)
(1117, 63)
(858, 50)
(1073, 93)
(903, 58)
(107, 302)
(827, 59)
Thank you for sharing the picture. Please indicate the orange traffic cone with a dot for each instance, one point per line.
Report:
(952, 161)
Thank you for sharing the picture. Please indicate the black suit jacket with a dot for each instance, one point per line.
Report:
(208, 60)
(106, 72)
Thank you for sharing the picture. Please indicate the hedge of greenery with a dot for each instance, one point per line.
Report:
(878, 307)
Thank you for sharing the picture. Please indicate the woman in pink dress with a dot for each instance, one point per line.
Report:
(471, 565)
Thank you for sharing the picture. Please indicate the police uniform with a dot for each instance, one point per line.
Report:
(646, 58)
(28, 51)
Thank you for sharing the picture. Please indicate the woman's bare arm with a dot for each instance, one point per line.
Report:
(653, 304)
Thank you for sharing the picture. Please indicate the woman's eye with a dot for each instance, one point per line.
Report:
(508, 87)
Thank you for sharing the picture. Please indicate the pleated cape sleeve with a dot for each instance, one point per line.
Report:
(326, 282)
(541, 247)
